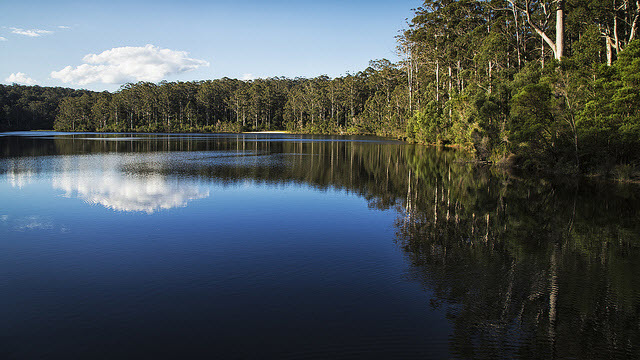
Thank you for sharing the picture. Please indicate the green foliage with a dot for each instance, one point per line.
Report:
(532, 127)
(611, 116)
(370, 102)
(588, 50)
(31, 107)
(501, 97)
(626, 98)
(474, 74)
(426, 126)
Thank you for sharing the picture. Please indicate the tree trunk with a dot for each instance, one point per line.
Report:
(515, 18)
(558, 45)
(449, 68)
(490, 77)
(634, 24)
(559, 30)
(437, 81)
(609, 44)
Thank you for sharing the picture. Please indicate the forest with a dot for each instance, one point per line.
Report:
(541, 85)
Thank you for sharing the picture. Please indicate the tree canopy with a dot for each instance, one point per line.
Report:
(545, 85)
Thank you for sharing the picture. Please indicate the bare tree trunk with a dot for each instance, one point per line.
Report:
(542, 52)
(634, 23)
(609, 45)
(490, 76)
(449, 67)
(515, 19)
(417, 87)
(437, 81)
(560, 30)
(558, 46)
(410, 80)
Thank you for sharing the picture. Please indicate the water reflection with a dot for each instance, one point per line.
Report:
(526, 268)
(522, 267)
(20, 173)
(122, 192)
(104, 180)
(33, 222)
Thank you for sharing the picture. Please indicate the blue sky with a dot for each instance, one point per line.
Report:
(50, 42)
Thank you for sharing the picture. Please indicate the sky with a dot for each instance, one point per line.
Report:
(99, 45)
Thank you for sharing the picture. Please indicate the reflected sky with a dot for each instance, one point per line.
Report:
(19, 173)
(283, 246)
(201, 246)
(124, 193)
(121, 191)
(102, 180)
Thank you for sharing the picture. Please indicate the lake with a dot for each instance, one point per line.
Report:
(258, 246)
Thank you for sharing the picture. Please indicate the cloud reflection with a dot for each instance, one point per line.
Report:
(122, 192)
(19, 173)
(33, 222)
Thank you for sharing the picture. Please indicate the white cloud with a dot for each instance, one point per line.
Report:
(31, 32)
(3, 38)
(247, 77)
(64, 27)
(128, 64)
(20, 78)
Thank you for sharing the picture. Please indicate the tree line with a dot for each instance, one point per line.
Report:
(32, 107)
(370, 101)
(541, 84)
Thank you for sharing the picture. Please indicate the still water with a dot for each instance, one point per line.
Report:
(285, 246)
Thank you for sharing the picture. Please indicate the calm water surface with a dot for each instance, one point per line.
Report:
(284, 246)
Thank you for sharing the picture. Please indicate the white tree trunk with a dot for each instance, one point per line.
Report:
(560, 30)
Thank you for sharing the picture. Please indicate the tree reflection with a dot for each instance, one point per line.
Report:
(524, 267)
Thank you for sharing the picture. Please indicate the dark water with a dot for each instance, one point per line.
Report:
(282, 246)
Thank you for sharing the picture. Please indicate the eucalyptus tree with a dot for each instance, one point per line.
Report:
(539, 15)
(616, 20)
(101, 110)
(255, 101)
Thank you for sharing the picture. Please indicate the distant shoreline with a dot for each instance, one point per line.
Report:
(266, 132)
